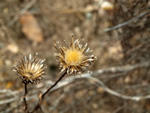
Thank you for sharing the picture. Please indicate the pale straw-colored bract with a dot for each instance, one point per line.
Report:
(30, 69)
(74, 58)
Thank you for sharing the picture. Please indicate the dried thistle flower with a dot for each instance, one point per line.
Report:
(30, 69)
(74, 58)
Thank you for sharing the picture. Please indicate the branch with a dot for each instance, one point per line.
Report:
(27, 7)
(126, 23)
(112, 92)
(41, 96)
(71, 79)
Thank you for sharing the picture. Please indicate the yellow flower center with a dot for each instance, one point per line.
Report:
(73, 57)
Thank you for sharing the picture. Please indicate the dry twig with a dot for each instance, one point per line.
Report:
(41, 96)
(127, 22)
(24, 98)
(27, 7)
(88, 76)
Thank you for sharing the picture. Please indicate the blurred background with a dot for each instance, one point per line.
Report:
(118, 32)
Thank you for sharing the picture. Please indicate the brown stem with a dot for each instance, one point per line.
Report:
(41, 96)
(24, 98)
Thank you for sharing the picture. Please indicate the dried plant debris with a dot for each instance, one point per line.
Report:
(31, 28)
(30, 69)
(74, 58)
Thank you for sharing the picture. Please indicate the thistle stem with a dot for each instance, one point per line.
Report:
(25, 94)
(41, 96)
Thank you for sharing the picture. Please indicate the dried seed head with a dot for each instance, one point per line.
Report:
(30, 69)
(74, 58)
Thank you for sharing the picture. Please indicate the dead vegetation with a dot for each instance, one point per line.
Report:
(119, 37)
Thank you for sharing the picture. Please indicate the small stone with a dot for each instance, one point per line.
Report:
(5, 10)
(100, 90)
(107, 6)
(94, 105)
(13, 48)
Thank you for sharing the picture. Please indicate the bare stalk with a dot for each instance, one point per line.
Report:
(41, 96)
(25, 94)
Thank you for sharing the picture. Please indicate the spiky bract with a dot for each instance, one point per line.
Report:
(74, 58)
(30, 69)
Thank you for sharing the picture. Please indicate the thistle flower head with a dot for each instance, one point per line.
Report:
(74, 58)
(30, 69)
